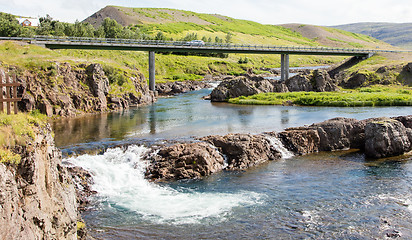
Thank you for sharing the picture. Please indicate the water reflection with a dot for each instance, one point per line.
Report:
(152, 120)
(284, 117)
(189, 115)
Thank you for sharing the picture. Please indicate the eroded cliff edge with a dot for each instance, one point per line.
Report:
(38, 198)
(67, 89)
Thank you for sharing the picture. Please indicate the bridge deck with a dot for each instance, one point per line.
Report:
(165, 46)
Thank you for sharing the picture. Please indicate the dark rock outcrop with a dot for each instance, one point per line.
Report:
(331, 135)
(322, 82)
(387, 137)
(247, 85)
(299, 83)
(83, 181)
(379, 137)
(200, 159)
(244, 150)
(173, 88)
(300, 140)
(405, 120)
(66, 90)
(184, 161)
(38, 199)
(356, 80)
(99, 84)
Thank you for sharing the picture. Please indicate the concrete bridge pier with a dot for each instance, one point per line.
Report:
(152, 71)
(284, 67)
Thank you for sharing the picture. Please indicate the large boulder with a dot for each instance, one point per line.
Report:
(184, 161)
(406, 74)
(299, 83)
(405, 120)
(330, 135)
(233, 88)
(386, 138)
(244, 150)
(322, 82)
(98, 83)
(173, 88)
(356, 80)
(300, 140)
(245, 86)
(340, 134)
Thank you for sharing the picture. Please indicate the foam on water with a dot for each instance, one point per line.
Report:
(119, 179)
(279, 146)
(403, 201)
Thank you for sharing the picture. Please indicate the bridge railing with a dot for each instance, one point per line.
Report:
(184, 44)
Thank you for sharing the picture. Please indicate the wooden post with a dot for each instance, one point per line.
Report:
(16, 109)
(11, 93)
(8, 104)
(1, 94)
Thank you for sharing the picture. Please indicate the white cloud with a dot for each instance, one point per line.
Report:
(318, 12)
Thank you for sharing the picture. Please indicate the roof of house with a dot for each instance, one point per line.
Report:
(34, 21)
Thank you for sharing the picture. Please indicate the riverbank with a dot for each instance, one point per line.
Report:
(385, 86)
(38, 199)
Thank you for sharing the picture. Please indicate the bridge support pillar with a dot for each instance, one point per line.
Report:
(152, 71)
(284, 67)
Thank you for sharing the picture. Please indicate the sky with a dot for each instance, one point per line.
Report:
(316, 12)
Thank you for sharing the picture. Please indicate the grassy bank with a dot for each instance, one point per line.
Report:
(17, 130)
(371, 96)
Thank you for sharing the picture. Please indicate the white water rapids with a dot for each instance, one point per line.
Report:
(119, 179)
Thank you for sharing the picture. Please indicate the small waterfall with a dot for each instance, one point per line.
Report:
(119, 180)
(279, 146)
(226, 163)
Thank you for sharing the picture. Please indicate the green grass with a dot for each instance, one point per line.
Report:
(17, 130)
(372, 96)
(352, 35)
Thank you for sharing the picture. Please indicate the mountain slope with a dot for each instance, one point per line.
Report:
(176, 24)
(397, 34)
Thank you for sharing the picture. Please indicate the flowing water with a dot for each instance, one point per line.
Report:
(337, 195)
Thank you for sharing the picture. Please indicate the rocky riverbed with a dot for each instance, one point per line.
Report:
(377, 137)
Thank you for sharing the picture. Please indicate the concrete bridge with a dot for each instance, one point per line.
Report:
(188, 47)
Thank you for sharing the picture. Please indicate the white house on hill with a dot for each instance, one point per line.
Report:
(29, 22)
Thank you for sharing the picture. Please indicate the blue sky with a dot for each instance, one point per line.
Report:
(317, 12)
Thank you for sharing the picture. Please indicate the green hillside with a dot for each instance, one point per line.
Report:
(397, 34)
(176, 24)
(179, 25)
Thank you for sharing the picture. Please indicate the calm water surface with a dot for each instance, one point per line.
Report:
(188, 115)
(337, 195)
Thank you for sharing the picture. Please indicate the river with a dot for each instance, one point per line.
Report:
(337, 195)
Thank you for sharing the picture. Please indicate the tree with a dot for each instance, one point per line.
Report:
(111, 28)
(46, 26)
(59, 29)
(189, 37)
(99, 32)
(9, 26)
(160, 36)
(228, 37)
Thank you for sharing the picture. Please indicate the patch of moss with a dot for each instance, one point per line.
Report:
(80, 226)
(7, 156)
(18, 129)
